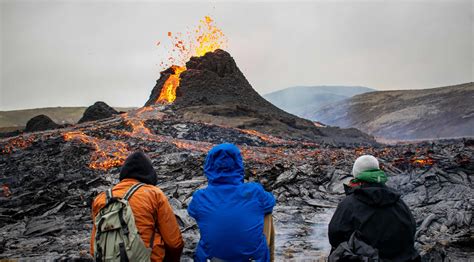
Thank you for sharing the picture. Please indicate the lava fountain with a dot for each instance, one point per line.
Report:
(205, 38)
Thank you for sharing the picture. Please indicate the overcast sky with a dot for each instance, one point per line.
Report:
(73, 53)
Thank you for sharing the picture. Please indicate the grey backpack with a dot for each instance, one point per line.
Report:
(355, 249)
(117, 237)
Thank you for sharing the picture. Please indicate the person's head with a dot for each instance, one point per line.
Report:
(224, 165)
(365, 163)
(138, 166)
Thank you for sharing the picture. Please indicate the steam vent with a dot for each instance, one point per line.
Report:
(212, 89)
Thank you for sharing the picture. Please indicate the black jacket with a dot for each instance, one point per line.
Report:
(383, 219)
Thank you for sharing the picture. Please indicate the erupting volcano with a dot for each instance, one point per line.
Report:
(208, 86)
(205, 38)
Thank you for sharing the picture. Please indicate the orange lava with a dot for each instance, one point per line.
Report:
(17, 142)
(107, 153)
(422, 162)
(168, 91)
(266, 138)
(208, 37)
(205, 38)
(193, 145)
(138, 127)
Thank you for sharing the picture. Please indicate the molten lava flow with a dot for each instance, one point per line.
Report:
(266, 138)
(422, 162)
(107, 153)
(138, 127)
(205, 38)
(193, 145)
(136, 120)
(17, 143)
(168, 91)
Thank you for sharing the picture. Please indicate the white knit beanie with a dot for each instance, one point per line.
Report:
(364, 163)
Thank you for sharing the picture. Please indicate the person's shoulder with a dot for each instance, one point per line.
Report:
(253, 186)
(153, 190)
(348, 201)
(198, 193)
(98, 202)
(392, 190)
(99, 198)
(196, 197)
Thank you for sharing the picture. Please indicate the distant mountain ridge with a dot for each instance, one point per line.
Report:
(62, 115)
(442, 112)
(301, 100)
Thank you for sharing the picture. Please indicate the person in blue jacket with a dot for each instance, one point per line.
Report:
(230, 213)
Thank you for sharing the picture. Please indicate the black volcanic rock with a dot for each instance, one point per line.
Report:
(97, 111)
(214, 90)
(40, 123)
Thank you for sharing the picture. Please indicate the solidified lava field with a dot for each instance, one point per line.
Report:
(50, 178)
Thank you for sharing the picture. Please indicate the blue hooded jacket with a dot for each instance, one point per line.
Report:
(230, 212)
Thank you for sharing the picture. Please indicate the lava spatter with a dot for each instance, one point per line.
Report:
(205, 38)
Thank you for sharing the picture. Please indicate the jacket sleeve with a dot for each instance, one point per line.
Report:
(169, 229)
(266, 199)
(340, 228)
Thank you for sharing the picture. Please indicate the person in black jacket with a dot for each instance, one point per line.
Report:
(376, 212)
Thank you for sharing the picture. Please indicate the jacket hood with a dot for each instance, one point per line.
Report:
(138, 166)
(224, 165)
(374, 194)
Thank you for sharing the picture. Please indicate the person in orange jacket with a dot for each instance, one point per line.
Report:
(147, 203)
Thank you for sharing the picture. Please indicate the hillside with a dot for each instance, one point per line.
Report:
(299, 100)
(442, 112)
(15, 119)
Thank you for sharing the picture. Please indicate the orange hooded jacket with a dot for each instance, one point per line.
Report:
(146, 203)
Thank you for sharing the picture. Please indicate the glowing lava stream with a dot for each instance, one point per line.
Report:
(205, 38)
(168, 91)
(106, 154)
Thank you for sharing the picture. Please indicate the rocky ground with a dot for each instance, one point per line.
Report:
(50, 178)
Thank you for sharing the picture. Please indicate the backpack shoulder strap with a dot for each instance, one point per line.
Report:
(132, 190)
(128, 195)
(108, 195)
